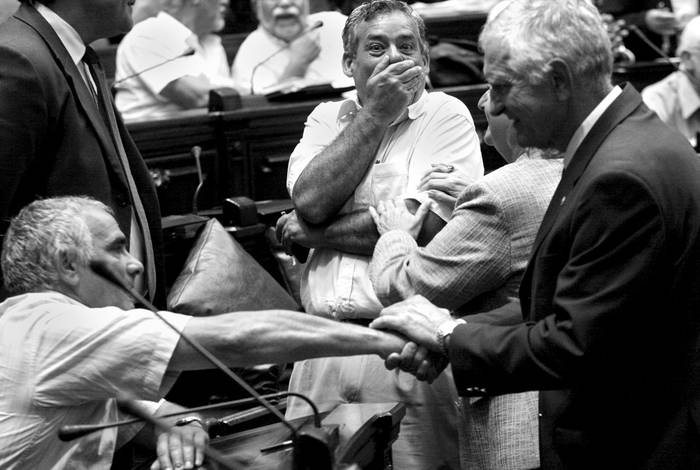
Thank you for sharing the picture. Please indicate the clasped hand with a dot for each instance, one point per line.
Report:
(444, 183)
(291, 229)
(394, 215)
(181, 447)
(416, 319)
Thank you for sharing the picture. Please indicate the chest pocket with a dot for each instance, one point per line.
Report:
(384, 181)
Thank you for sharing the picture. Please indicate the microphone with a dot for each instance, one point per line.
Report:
(313, 27)
(312, 447)
(197, 153)
(188, 52)
(70, 432)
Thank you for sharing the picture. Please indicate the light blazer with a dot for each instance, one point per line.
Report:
(611, 297)
(476, 261)
(52, 139)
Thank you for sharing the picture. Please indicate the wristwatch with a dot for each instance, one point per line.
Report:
(444, 330)
(189, 420)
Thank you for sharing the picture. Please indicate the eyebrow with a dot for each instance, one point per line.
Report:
(382, 36)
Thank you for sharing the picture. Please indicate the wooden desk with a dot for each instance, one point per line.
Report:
(244, 152)
(365, 434)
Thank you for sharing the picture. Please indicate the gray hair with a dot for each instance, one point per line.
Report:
(39, 235)
(531, 33)
(372, 9)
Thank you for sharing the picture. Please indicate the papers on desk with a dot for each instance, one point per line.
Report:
(299, 90)
(451, 8)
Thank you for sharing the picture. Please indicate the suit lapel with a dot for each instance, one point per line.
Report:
(622, 107)
(84, 98)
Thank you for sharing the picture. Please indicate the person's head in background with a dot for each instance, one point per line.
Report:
(284, 19)
(547, 62)
(202, 17)
(689, 52)
(499, 132)
(379, 29)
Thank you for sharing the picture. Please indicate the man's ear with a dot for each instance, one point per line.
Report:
(348, 63)
(561, 79)
(67, 267)
(685, 61)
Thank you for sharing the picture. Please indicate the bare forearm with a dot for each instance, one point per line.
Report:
(331, 178)
(188, 91)
(246, 338)
(352, 233)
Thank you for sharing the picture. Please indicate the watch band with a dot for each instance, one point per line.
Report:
(184, 421)
(444, 330)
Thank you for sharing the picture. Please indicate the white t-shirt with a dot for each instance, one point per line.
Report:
(63, 363)
(259, 45)
(152, 43)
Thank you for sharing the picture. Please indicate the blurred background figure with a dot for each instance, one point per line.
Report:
(170, 61)
(676, 98)
(7, 8)
(658, 21)
(288, 45)
(143, 9)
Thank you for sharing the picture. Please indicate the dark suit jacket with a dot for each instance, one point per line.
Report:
(52, 139)
(611, 297)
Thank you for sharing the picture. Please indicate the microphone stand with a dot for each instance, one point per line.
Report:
(74, 431)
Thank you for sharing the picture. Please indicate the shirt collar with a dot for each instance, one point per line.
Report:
(66, 33)
(588, 123)
(351, 105)
(687, 96)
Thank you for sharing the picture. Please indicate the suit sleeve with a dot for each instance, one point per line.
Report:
(610, 275)
(23, 128)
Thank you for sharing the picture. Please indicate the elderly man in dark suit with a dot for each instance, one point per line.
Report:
(59, 131)
(608, 323)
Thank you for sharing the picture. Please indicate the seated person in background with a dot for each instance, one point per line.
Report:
(143, 9)
(676, 98)
(354, 152)
(73, 341)
(287, 48)
(473, 264)
(658, 20)
(155, 74)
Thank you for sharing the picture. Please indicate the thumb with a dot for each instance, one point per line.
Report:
(374, 214)
(441, 197)
(423, 210)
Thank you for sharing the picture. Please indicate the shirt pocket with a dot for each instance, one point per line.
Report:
(384, 181)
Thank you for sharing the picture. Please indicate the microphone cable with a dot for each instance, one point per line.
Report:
(106, 273)
(188, 52)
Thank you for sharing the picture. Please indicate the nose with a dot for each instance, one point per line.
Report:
(394, 54)
(133, 266)
(483, 101)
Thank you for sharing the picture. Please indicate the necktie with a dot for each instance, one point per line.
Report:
(107, 110)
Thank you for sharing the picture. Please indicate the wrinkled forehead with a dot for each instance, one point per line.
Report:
(496, 66)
